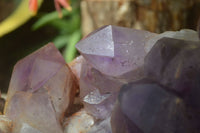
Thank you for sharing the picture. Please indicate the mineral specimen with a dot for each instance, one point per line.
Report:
(150, 108)
(162, 53)
(101, 127)
(96, 92)
(161, 92)
(175, 64)
(79, 122)
(113, 56)
(42, 88)
(75, 66)
(184, 34)
(115, 50)
(5, 124)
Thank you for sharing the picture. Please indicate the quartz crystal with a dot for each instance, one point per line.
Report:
(131, 81)
(175, 64)
(80, 122)
(75, 66)
(150, 108)
(6, 124)
(41, 90)
(101, 127)
(113, 56)
(184, 34)
(162, 53)
(97, 91)
(115, 50)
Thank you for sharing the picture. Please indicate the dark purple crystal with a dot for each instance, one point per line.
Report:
(149, 108)
(175, 64)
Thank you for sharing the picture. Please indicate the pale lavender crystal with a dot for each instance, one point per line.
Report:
(30, 73)
(115, 50)
(42, 88)
(35, 110)
(97, 91)
(114, 56)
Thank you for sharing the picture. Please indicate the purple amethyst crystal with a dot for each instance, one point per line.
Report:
(35, 110)
(175, 64)
(149, 108)
(162, 53)
(42, 88)
(115, 50)
(161, 92)
(97, 91)
(113, 56)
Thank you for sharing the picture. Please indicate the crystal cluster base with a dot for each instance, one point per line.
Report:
(124, 81)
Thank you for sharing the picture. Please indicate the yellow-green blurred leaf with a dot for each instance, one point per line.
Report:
(17, 18)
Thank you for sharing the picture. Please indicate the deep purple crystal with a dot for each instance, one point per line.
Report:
(175, 64)
(149, 108)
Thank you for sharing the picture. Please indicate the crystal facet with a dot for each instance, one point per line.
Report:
(184, 34)
(42, 88)
(79, 122)
(115, 50)
(113, 56)
(97, 91)
(175, 64)
(6, 124)
(149, 108)
(131, 81)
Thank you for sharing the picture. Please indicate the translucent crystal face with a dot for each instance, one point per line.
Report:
(131, 81)
(97, 91)
(42, 88)
(98, 43)
(33, 72)
(175, 64)
(115, 50)
(149, 108)
(184, 34)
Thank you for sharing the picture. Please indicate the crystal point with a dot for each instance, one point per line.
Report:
(115, 50)
(41, 90)
(98, 43)
(102, 74)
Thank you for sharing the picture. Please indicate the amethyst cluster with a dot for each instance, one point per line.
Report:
(167, 99)
(129, 81)
(41, 90)
(112, 57)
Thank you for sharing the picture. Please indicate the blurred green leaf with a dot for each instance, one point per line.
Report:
(68, 29)
(67, 25)
(76, 21)
(70, 50)
(49, 17)
(61, 41)
(64, 26)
